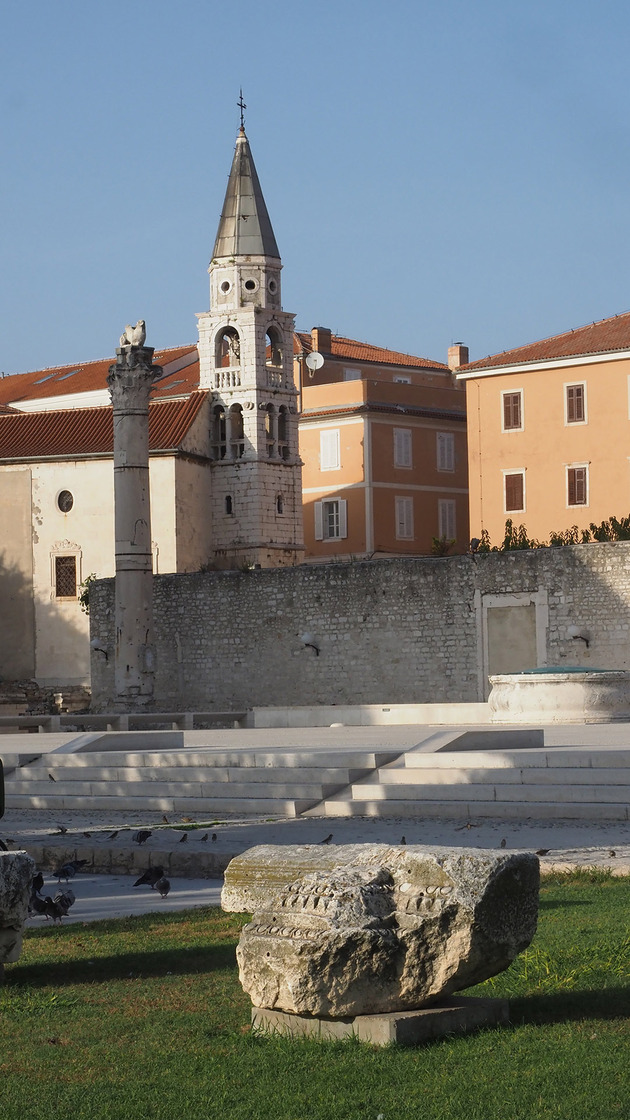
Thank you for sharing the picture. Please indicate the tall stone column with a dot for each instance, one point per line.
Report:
(130, 381)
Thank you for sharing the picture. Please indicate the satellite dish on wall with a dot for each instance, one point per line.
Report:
(314, 361)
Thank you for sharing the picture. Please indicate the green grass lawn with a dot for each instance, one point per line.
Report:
(144, 1019)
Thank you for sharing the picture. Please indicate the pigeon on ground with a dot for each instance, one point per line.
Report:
(51, 778)
(141, 836)
(113, 835)
(165, 819)
(64, 900)
(37, 905)
(88, 835)
(403, 840)
(612, 853)
(184, 838)
(61, 827)
(163, 886)
(54, 909)
(214, 836)
(204, 837)
(543, 851)
(327, 840)
(187, 820)
(503, 843)
(150, 877)
(67, 871)
(38, 882)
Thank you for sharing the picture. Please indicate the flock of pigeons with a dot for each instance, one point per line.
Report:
(57, 906)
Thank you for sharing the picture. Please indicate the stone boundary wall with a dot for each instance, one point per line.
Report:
(389, 631)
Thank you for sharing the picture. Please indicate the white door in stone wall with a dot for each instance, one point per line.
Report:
(511, 639)
(513, 634)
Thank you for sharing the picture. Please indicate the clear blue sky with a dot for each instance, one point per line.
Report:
(436, 171)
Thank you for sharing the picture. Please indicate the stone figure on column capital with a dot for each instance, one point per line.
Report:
(134, 336)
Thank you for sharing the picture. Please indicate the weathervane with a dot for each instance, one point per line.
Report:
(242, 106)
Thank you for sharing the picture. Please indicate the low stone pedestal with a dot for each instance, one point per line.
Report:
(459, 1015)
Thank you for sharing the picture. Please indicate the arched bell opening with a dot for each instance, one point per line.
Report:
(236, 432)
(227, 348)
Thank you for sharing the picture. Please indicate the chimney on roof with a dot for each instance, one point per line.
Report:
(457, 355)
(321, 340)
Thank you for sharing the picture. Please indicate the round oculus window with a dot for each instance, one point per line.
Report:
(65, 501)
(272, 286)
(225, 286)
(250, 285)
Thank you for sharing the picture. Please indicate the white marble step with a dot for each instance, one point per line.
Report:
(556, 794)
(203, 808)
(558, 757)
(288, 759)
(472, 810)
(325, 776)
(314, 791)
(573, 775)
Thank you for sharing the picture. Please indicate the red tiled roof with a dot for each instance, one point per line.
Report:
(84, 377)
(595, 338)
(90, 431)
(354, 351)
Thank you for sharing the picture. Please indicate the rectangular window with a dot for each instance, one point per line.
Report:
(445, 451)
(446, 518)
(402, 447)
(331, 519)
(65, 577)
(329, 449)
(404, 519)
(512, 411)
(576, 404)
(514, 491)
(402, 380)
(577, 486)
(352, 374)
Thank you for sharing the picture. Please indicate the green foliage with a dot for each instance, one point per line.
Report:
(611, 530)
(441, 546)
(84, 592)
(516, 538)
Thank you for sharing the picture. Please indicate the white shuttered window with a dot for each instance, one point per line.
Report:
(402, 447)
(446, 518)
(331, 519)
(329, 450)
(404, 519)
(445, 451)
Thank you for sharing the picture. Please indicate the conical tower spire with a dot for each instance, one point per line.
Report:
(244, 228)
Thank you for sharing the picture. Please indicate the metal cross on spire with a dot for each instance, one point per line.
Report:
(242, 106)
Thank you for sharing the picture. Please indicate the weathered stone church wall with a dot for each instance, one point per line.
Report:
(389, 631)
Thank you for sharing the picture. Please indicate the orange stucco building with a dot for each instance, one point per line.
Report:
(549, 431)
(383, 443)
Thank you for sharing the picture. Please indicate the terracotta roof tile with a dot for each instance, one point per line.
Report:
(83, 377)
(595, 338)
(363, 352)
(90, 431)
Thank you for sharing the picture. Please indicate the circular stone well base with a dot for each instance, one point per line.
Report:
(560, 696)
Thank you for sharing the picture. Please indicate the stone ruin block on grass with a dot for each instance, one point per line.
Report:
(16, 877)
(368, 929)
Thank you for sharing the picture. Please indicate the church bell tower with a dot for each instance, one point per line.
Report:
(246, 360)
